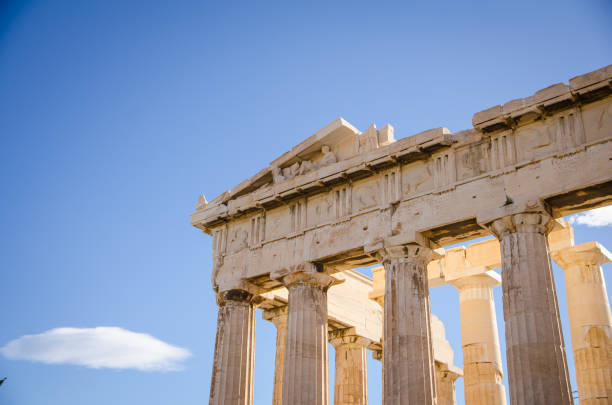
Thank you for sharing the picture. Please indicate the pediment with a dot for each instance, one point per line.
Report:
(334, 143)
(339, 135)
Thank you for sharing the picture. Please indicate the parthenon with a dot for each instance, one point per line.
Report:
(288, 239)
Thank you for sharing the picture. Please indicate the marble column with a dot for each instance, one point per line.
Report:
(305, 379)
(537, 365)
(407, 347)
(482, 365)
(590, 320)
(445, 385)
(351, 377)
(278, 316)
(232, 374)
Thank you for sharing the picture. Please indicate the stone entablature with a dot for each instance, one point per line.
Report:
(477, 258)
(348, 306)
(343, 199)
(528, 155)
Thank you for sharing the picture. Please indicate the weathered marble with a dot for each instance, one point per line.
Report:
(445, 384)
(407, 347)
(351, 376)
(482, 365)
(305, 380)
(590, 319)
(341, 196)
(278, 316)
(537, 366)
(232, 375)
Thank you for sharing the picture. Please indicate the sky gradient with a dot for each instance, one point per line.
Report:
(115, 116)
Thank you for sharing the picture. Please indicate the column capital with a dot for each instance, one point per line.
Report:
(448, 372)
(488, 279)
(527, 222)
(408, 253)
(316, 279)
(377, 355)
(589, 253)
(276, 315)
(378, 286)
(347, 336)
(237, 296)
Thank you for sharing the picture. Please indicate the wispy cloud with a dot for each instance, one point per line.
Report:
(594, 218)
(100, 347)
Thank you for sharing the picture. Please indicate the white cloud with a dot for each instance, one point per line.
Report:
(100, 347)
(594, 218)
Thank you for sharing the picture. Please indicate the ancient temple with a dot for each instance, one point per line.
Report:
(287, 240)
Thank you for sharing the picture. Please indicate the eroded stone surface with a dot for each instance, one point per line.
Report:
(535, 349)
(232, 375)
(278, 316)
(341, 197)
(590, 320)
(407, 347)
(351, 376)
(305, 379)
(482, 365)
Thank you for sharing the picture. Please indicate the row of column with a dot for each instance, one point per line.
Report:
(537, 365)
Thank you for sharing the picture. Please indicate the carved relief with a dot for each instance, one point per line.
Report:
(472, 161)
(329, 157)
(276, 223)
(417, 177)
(365, 194)
(534, 141)
(367, 141)
(596, 121)
(320, 208)
(305, 166)
(372, 138)
(238, 237)
(279, 174)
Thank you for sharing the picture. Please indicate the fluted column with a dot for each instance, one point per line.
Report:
(482, 365)
(537, 366)
(351, 377)
(590, 320)
(445, 385)
(407, 348)
(232, 375)
(305, 380)
(278, 316)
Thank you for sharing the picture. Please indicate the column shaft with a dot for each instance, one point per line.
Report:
(305, 380)
(590, 320)
(279, 317)
(351, 377)
(232, 375)
(482, 366)
(407, 348)
(445, 385)
(535, 350)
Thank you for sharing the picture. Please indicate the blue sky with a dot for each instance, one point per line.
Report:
(116, 115)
